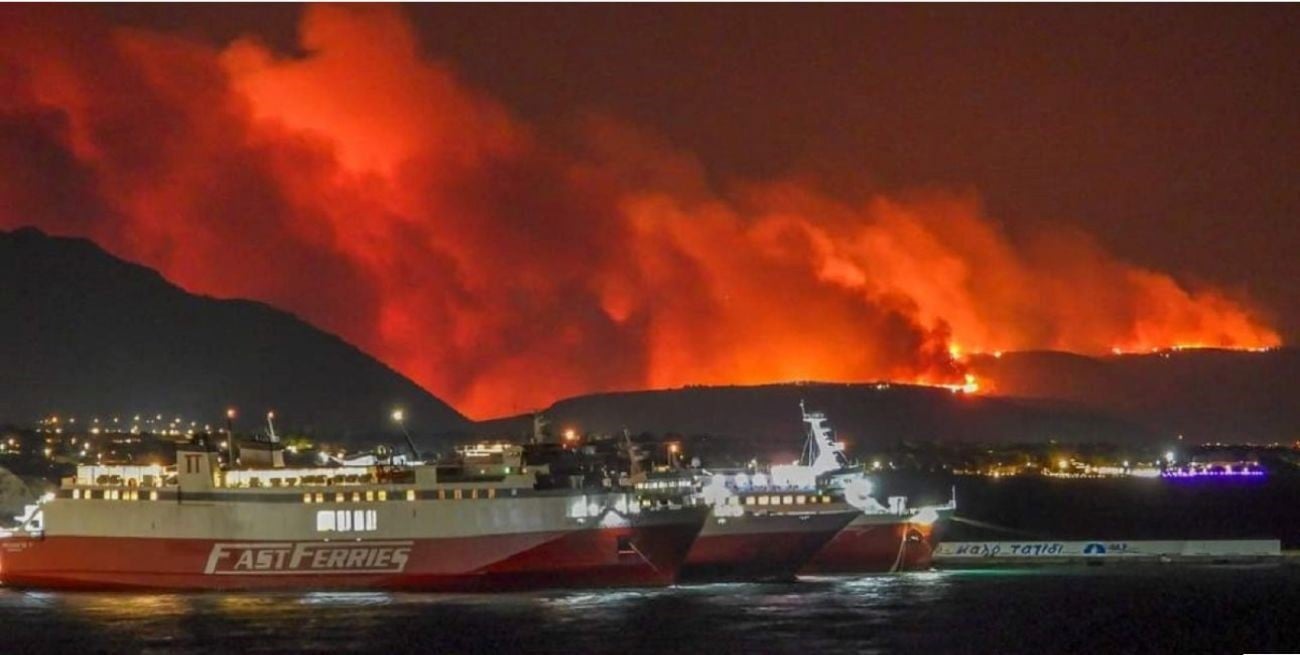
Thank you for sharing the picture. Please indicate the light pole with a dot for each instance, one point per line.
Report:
(399, 417)
(230, 436)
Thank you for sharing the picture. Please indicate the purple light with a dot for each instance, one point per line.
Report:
(1244, 471)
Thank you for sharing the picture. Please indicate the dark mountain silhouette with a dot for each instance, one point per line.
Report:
(1204, 394)
(867, 416)
(85, 333)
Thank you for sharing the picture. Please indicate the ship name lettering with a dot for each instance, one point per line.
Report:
(307, 557)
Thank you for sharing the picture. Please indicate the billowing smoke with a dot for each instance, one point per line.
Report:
(366, 188)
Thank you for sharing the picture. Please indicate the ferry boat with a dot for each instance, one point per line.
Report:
(755, 534)
(883, 537)
(817, 515)
(387, 526)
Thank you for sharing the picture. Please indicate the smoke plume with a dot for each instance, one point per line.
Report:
(365, 187)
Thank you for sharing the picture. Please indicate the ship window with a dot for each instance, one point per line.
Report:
(456, 494)
(410, 494)
(370, 496)
(306, 498)
(787, 500)
(338, 497)
(76, 493)
(153, 495)
(826, 499)
(764, 500)
(383, 495)
(442, 494)
(473, 494)
(344, 520)
(356, 497)
(325, 521)
(750, 500)
(492, 493)
(320, 497)
(799, 500)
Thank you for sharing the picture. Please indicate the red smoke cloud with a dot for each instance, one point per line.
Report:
(367, 189)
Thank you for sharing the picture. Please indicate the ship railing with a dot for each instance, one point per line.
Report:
(289, 478)
(121, 475)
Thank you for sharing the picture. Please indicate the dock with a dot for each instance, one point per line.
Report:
(961, 554)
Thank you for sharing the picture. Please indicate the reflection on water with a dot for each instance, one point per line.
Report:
(1146, 609)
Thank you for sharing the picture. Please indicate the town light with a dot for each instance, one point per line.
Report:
(231, 413)
(570, 435)
(399, 415)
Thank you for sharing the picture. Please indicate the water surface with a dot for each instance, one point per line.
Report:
(1112, 609)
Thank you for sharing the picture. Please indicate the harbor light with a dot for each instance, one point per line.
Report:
(570, 435)
(231, 413)
(398, 416)
(927, 516)
(1169, 457)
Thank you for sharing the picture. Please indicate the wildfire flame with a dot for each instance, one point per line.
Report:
(366, 188)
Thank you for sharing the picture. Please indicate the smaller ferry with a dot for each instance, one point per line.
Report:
(817, 515)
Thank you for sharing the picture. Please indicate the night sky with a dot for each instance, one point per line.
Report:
(510, 204)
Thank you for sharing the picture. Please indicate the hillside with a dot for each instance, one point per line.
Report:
(1206, 395)
(865, 415)
(85, 333)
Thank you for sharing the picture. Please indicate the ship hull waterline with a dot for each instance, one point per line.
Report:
(760, 547)
(870, 545)
(635, 556)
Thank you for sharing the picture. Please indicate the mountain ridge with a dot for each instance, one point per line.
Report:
(88, 333)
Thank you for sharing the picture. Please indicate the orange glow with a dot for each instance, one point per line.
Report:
(371, 191)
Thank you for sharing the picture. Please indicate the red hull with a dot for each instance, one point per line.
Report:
(604, 557)
(875, 548)
(766, 548)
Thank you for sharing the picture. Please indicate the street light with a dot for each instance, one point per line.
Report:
(399, 417)
(230, 435)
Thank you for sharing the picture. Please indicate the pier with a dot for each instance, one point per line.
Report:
(962, 554)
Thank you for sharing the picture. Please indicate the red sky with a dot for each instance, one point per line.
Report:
(504, 251)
